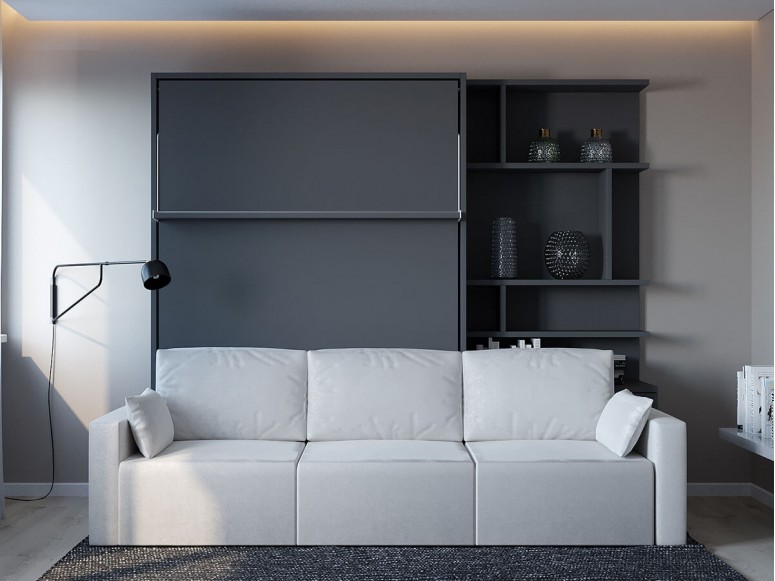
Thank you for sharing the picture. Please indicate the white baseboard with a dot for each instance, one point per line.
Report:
(731, 489)
(22, 489)
(761, 495)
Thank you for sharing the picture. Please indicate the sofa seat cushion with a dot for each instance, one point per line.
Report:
(541, 451)
(210, 492)
(385, 394)
(234, 393)
(557, 492)
(385, 492)
(535, 394)
(386, 451)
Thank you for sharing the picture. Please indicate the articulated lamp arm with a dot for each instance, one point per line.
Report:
(154, 273)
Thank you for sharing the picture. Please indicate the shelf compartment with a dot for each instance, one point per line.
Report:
(553, 305)
(570, 115)
(304, 215)
(483, 138)
(627, 346)
(541, 204)
(554, 282)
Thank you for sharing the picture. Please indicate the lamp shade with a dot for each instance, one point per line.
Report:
(155, 275)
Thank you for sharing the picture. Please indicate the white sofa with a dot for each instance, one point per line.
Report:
(386, 447)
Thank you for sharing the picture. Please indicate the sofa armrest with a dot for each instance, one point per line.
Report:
(110, 442)
(663, 442)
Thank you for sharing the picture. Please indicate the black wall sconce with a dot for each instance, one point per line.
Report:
(154, 273)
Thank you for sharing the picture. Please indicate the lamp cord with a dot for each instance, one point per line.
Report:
(50, 424)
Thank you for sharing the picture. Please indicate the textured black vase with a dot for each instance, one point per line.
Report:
(545, 149)
(596, 149)
(566, 254)
(503, 261)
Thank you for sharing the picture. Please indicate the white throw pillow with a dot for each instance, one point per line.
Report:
(150, 421)
(622, 421)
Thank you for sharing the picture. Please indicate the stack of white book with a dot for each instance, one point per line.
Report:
(620, 365)
(755, 400)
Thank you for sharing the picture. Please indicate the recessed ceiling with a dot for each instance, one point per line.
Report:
(392, 9)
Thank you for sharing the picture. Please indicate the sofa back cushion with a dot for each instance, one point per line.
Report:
(535, 394)
(385, 394)
(230, 393)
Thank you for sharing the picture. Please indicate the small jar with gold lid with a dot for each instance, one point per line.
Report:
(545, 149)
(596, 149)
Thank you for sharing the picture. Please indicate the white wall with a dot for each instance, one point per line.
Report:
(77, 188)
(762, 207)
(762, 188)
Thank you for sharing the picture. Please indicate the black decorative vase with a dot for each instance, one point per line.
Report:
(596, 149)
(503, 261)
(566, 254)
(545, 149)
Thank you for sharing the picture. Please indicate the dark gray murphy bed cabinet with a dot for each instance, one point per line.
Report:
(308, 211)
(603, 309)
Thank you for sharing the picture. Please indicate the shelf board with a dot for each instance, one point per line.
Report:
(751, 442)
(565, 85)
(550, 334)
(558, 167)
(554, 282)
(305, 215)
(636, 385)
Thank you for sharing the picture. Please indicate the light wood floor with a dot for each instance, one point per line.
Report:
(35, 535)
(738, 530)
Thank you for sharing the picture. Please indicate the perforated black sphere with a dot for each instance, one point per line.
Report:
(566, 254)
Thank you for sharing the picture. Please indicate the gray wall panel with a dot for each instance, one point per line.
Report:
(357, 144)
(308, 284)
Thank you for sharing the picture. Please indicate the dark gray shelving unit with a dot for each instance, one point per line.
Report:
(603, 309)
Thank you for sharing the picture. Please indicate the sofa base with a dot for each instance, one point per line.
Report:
(561, 492)
(388, 492)
(210, 492)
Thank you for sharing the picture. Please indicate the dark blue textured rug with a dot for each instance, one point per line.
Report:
(681, 562)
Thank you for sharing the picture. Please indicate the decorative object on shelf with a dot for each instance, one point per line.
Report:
(755, 400)
(566, 254)
(503, 262)
(620, 365)
(596, 149)
(545, 149)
